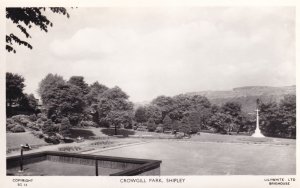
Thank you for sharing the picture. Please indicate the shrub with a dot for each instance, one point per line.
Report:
(17, 129)
(151, 125)
(52, 139)
(69, 148)
(102, 142)
(49, 128)
(159, 129)
(88, 124)
(64, 128)
(9, 121)
(32, 117)
(33, 125)
(9, 127)
(42, 116)
(21, 119)
(37, 134)
(75, 119)
(179, 135)
(128, 126)
(142, 129)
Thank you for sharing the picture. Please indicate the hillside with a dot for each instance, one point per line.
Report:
(247, 95)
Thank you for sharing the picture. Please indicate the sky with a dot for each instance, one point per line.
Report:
(154, 51)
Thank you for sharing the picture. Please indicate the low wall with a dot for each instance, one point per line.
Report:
(129, 166)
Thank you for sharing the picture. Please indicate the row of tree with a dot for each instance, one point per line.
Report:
(187, 113)
(82, 103)
(76, 103)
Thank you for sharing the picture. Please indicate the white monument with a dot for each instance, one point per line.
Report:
(257, 132)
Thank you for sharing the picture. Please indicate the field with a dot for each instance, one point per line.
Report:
(204, 154)
(217, 158)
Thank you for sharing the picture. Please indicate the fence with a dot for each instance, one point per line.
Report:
(127, 166)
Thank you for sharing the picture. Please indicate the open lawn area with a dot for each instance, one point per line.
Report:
(217, 158)
(204, 154)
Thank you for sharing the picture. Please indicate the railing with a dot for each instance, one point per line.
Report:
(128, 166)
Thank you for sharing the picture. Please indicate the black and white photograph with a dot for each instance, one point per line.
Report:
(150, 92)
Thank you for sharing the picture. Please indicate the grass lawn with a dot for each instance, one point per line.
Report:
(14, 140)
(205, 154)
(226, 156)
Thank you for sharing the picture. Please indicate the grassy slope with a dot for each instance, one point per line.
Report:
(14, 140)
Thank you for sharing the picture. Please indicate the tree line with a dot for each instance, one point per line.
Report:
(73, 102)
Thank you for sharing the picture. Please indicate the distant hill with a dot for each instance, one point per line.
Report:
(247, 95)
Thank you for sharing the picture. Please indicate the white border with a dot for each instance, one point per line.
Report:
(191, 181)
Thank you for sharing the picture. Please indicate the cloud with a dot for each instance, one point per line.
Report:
(155, 51)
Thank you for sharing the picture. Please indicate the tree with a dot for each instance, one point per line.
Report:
(95, 90)
(199, 101)
(79, 82)
(117, 118)
(153, 111)
(220, 121)
(185, 126)
(175, 126)
(140, 114)
(270, 118)
(61, 99)
(166, 104)
(29, 103)
(232, 108)
(194, 121)
(25, 18)
(49, 128)
(64, 128)
(234, 116)
(14, 88)
(184, 104)
(287, 108)
(113, 103)
(51, 80)
(167, 123)
(279, 120)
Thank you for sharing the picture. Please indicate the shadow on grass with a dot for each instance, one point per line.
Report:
(81, 132)
(123, 132)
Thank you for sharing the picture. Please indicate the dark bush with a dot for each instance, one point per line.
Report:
(123, 132)
(151, 126)
(50, 128)
(52, 139)
(64, 128)
(76, 132)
